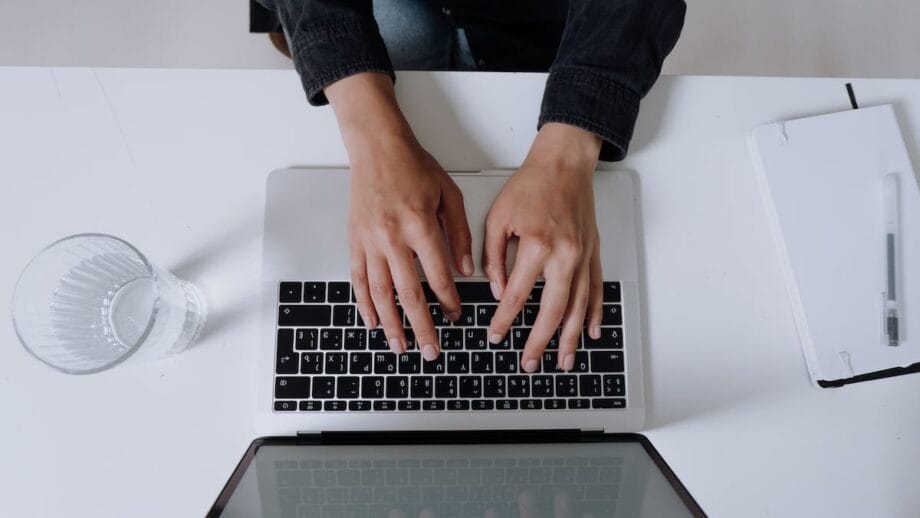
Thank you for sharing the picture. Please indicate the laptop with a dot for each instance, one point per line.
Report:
(330, 391)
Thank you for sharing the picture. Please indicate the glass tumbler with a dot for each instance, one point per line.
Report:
(91, 301)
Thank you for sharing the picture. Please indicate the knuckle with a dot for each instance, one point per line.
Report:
(440, 283)
(380, 290)
(410, 294)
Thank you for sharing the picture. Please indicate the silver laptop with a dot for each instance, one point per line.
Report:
(320, 370)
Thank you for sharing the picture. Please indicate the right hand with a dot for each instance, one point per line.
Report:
(401, 202)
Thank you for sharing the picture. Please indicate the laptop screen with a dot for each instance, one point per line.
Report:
(609, 479)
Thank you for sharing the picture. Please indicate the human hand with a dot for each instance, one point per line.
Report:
(548, 204)
(400, 202)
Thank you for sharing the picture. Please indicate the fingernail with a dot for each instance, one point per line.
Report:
(429, 352)
(467, 265)
(396, 346)
(495, 338)
(496, 290)
(569, 362)
(453, 317)
(596, 332)
(531, 365)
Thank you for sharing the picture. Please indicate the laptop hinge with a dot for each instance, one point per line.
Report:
(452, 436)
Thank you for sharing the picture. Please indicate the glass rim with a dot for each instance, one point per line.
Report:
(129, 352)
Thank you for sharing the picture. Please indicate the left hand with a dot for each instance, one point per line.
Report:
(548, 204)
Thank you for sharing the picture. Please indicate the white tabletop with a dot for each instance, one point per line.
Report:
(175, 161)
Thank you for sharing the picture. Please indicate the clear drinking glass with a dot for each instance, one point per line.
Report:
(91, 301)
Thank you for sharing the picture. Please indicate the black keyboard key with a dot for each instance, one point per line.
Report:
(606, 361)
(481, 362)
(433, 404)
(611, 338)
(470, 386)
(504, 345)
(435, 366)
(541, 386)
(285, 341)
(377, 340)
(335, 406)
(458, 404)
(384, 363)
(311, 363)
(506, 362)
(613, 315)
(410, 363)
(397, 387)
(339, 292)
(579, 404)
(566, 386)
(314, 292)
(286, 359)
(554, 404)
(285, 406)
(312, 315)
(589, 385)
(343, 315)
(310, 406)
(360, 363)
(409, 404)
(451, 339)
(506, 404)
(323, 387)
(430, 295)
(348, 387)
(330, 339)
(519, 336)
(530, 314)
(612, 292)
(475, 339)
(445, 386)
(553, 342)
(494, 386)
(384, 405)
(355, 339)
(519, 386)
(473, 292)
(614, 385)
(581, 361)
(467, 315)
(306, 339)
(531, 404)
(484, 313)
(410, 338)
(549, 362)
(372, 387)
(536, 293)
(437, 316)
(359, 406)
(483, 404)
(608, 403)
(336, 363)
(458, 363)
(290, 292)
(292, 388)
(421, 387)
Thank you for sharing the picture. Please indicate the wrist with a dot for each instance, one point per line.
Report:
(567, 147)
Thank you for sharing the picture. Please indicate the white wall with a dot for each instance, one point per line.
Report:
(873, 38)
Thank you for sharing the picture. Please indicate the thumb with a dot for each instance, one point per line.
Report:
(457, 229)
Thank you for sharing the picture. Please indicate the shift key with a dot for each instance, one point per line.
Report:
(304, 315)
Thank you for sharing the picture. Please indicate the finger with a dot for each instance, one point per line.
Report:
(457, 229)
(358, 263)
(562, 506)
(412, 300)
(527, 505)
(381, 289)
(553, 303)
(574, 319)
(527, 267)
(595, 310)
(429, 247)
(493, 256)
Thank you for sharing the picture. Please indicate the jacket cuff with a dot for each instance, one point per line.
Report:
(592, 102)
(329, 50)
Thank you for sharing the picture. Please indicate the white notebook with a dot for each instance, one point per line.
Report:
(822, 181)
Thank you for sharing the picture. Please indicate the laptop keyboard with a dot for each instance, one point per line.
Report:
(327, 361)
(446, 487)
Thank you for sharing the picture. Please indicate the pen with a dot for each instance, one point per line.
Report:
(890, 201)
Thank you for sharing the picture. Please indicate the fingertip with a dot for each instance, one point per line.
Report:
(466, 265)
(497, 289)
(595, 332)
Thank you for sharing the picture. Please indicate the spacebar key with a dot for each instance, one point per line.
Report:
(304, 315)
(474, 292)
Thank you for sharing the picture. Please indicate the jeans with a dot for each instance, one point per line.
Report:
(419, 37)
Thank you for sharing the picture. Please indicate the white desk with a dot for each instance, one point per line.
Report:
(175, 161)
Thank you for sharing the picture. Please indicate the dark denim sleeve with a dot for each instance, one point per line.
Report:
(609, 58)
(331, 40)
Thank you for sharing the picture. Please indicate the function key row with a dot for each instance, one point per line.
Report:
(452, 404)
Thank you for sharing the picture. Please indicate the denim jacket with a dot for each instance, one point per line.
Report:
(603, 56)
